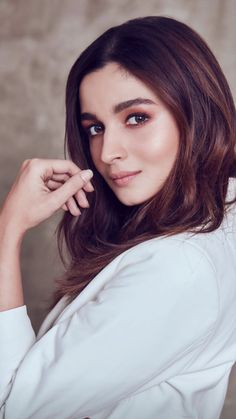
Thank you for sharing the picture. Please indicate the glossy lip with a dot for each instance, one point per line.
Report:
(121, 175)
(123, 178)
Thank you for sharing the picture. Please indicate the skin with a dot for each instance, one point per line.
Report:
(136, 137)
(42, 186)
(124, 137)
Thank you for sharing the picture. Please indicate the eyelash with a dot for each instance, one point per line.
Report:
(139, 115)
(145, 117)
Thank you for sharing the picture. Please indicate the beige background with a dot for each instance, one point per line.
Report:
(39, 41)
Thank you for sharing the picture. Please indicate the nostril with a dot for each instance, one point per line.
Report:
(109, 155)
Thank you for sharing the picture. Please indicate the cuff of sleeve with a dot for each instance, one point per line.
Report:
(16, 338)
(16, 332)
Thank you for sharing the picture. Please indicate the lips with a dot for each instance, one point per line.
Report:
(121, 175)
(123, 178)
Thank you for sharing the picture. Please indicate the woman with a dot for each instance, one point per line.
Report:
(145, 320)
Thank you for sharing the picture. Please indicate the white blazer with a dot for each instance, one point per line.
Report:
(153, 336)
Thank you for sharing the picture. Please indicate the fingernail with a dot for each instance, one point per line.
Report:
(86, 175)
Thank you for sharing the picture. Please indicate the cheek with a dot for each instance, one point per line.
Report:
(157, 144)
(164, 148)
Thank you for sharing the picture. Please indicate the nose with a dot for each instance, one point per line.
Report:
(113, 146)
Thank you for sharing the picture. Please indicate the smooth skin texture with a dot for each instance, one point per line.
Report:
(132, 137)
(129, 130)
(40, 189)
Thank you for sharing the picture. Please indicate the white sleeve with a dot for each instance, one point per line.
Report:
(153, 313)
(16, 337)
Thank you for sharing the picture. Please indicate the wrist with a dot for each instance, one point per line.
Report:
(10, 230)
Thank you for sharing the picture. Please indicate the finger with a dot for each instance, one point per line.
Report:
(79, 196)
(81, 199)
(65, 167)
(61, 195)
(64, 177)
(64, 207)
(72, 207)
(51, 184)
(89, 187)
(61, 177)
(48, 167)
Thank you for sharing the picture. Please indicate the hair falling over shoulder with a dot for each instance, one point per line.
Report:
(177, 64)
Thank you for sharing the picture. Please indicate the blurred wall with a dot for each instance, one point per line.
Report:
(39, 41)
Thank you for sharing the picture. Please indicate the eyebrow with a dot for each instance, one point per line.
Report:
(86, 116)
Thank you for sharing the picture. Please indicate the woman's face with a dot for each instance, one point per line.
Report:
(133, 137)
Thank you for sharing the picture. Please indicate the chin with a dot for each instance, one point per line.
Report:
(129, 202)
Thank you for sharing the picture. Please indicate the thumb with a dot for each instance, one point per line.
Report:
(69, 188)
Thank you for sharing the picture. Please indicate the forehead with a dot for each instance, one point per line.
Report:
(109, 86)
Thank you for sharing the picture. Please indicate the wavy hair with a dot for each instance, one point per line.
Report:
(175, 62)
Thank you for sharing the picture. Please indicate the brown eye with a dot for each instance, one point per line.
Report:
(94, 130)
(137, 119)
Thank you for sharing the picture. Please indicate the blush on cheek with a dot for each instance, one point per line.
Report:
(162, 145)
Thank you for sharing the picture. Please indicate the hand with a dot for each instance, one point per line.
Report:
(42, 186)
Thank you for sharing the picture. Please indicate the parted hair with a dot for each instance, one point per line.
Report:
(176, 63)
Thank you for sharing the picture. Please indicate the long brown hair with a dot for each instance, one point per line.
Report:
(177, 64)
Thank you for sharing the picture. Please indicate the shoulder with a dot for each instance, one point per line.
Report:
(178, 255)
(170, 276)
(173, 268)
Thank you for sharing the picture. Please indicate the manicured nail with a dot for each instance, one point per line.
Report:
(86, 175)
